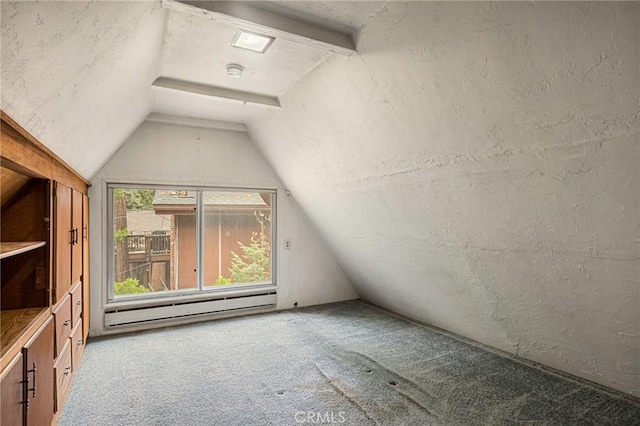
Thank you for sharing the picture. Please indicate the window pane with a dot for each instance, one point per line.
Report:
(154, 241)
(237, 234)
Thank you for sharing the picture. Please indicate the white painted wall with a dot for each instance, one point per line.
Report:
(172, 154)
(77, 74)
(475, 167)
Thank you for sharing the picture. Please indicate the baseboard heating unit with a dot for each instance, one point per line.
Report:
(175, 309)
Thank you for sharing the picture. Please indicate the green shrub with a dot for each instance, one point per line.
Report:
(129, 286)
(222, 280)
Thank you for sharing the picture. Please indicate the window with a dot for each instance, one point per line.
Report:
(180, 241)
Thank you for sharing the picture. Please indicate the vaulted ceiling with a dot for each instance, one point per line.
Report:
(473, 165)
(80, 75)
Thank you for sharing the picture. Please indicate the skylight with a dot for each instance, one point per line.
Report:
(252, 41)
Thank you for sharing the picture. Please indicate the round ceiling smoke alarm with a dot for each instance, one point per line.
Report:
(234, 70)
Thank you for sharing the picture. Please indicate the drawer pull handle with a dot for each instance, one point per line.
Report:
(26, 401)
(67, 371)
(33, 389)
(79, 303)
(66, 323)
(79, 342)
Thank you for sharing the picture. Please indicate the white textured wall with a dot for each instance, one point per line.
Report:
(171, 154)
(77, 74)
(476, 167)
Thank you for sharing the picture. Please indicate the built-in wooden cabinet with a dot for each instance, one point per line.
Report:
(45, 288)
(38, 361)
(25, 236)
(69, 232)
(77, 344)
(63, 240)
(11, 393)
(27, 381)
(62, 320)
(62, 372)
(76, 230)
(76, 304)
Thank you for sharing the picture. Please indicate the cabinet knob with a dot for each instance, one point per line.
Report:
(67, 371)
(79, 302)
(66, 323)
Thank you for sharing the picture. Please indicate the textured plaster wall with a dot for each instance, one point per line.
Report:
(77, 74)
(476, 167)
(170, 154)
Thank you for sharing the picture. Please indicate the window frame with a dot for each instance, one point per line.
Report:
(201, 291)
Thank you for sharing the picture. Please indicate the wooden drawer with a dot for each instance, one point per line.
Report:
(62, 372)
(77, 345)
(62, 316)
(76, 304)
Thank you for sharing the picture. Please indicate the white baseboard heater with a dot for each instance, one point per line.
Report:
(175, 309)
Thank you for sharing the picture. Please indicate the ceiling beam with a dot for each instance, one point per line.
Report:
(217, 92)
(251, 19)
(228, 126)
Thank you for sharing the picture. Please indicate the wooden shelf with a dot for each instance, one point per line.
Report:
(8, 249)
(16, 327)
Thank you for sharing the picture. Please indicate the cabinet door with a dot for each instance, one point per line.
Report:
(64, 239)
(11, 393)
(76, 228)
(38, 357)
(85, 267)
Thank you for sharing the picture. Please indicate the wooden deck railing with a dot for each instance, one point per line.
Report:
(152, 244)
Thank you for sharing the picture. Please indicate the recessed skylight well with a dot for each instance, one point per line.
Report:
(252, 41)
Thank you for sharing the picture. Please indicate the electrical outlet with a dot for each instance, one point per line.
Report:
(287, 244)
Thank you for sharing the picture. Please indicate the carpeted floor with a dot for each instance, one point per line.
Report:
(347, 363)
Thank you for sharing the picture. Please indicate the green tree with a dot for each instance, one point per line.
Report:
(137, 199)
(254, 264)
(121, 234)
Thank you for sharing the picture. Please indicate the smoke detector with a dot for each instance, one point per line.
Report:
(235, 70)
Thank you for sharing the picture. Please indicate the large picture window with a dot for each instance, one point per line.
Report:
(182, 240)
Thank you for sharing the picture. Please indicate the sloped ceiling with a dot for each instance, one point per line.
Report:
(77, 75)
(474, 165)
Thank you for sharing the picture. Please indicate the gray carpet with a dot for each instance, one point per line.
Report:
(347, 363)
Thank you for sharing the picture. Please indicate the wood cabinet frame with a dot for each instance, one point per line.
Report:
(28, 330)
